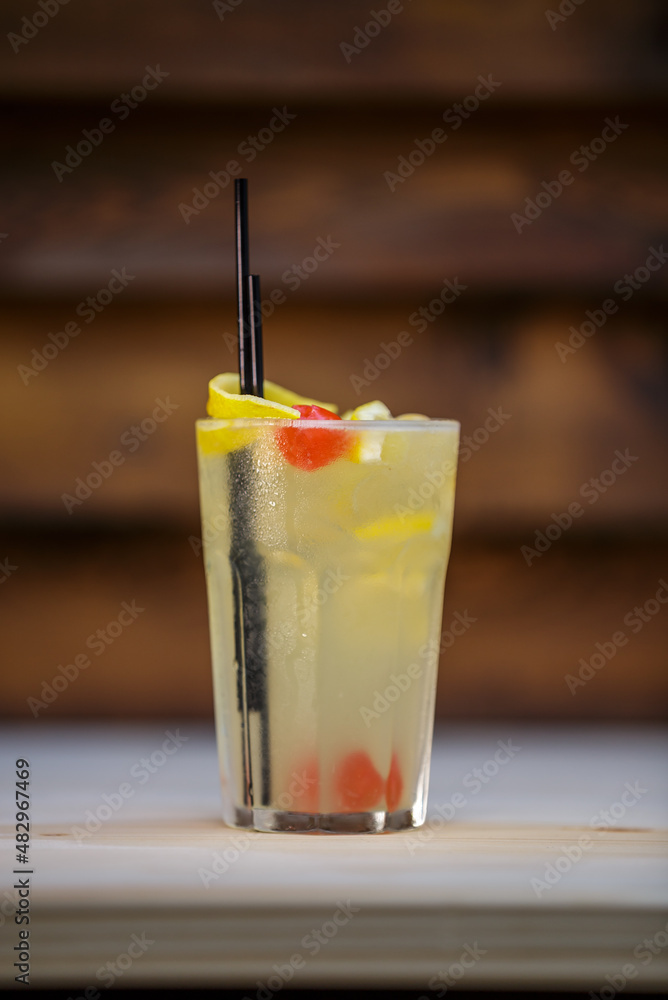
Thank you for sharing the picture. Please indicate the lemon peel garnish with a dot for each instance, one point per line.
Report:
(226, 402)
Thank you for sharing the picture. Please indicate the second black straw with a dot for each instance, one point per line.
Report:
(251, 374)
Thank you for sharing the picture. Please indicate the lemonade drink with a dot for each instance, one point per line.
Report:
(326, 545)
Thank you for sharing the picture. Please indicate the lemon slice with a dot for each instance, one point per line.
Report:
(227, 404)
(369, 445)
(225, 401)
(398, 528)
(369, 411)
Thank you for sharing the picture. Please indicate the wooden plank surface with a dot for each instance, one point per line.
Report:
(558, 424)
(323, 176)
(132, 201)
(425, 49)
(416, 901)
(533, 628)
(534, 623)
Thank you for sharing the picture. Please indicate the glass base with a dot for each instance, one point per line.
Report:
(281, 821)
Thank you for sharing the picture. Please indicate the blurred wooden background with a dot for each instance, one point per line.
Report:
(64, 575)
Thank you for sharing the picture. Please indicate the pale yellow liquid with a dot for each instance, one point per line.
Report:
(353, 560)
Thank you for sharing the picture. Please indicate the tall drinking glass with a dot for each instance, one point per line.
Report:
(326, 546)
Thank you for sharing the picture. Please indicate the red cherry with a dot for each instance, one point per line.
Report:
(357, 783)
(310, 448)
(395, 785)
(310, 411)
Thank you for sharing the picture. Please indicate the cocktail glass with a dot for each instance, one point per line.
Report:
(325, 591)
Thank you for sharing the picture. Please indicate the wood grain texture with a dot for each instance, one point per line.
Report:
(324, 176)
(558, 425)
(253, 49)
(527, 630)
(416, 899)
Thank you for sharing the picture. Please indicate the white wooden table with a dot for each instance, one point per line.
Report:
(551, 873)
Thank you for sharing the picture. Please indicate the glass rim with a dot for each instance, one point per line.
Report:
(212, 423)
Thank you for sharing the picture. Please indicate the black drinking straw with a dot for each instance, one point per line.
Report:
(255, 315)
(249, 578)
(249, 321)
